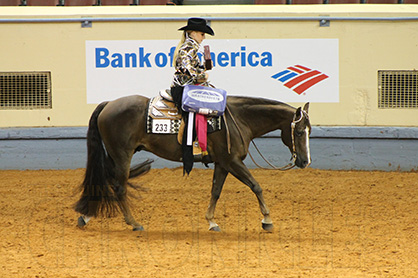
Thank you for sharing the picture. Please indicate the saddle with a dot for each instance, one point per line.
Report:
(164, 117)
(163, 107)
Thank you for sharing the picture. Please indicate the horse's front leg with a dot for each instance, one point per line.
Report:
(219, 176)
(241, 172)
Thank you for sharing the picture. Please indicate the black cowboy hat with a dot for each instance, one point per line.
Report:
(198, 24)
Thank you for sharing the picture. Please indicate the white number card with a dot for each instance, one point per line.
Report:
(160, 126)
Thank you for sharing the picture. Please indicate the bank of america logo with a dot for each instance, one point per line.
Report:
(299, 78)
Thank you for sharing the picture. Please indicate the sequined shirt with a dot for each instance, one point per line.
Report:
(187, 66)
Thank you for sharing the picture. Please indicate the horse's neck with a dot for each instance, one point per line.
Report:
(262, 118)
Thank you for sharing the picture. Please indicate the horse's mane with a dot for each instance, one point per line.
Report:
(255, 101)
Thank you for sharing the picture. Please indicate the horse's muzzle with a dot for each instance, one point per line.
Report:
(302, 163)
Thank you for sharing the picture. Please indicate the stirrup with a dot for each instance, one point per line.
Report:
(200, 155)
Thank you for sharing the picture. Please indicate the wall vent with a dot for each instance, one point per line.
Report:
(25, 90)
(398, 88)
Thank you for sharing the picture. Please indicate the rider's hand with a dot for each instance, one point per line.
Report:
(202, 80)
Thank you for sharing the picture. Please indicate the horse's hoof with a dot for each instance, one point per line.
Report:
(267, 227)
(215, 229)
(80, 222)
(140, 228)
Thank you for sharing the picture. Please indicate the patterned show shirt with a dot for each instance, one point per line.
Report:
(188, 67)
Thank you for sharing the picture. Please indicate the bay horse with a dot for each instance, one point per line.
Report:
(118, 129)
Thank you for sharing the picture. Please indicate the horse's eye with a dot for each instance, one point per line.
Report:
(299, 133)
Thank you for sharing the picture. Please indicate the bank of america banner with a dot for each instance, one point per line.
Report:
(288, 70)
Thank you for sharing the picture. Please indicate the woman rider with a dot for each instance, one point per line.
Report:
(189, 71)
(188, 68)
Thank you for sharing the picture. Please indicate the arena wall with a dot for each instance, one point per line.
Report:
(335, 148)
(371, 38)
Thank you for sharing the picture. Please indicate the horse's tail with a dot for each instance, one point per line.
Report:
(97, 196)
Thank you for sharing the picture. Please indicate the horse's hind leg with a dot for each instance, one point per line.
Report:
(83, 220)
(129, 219)
(219, 176)
(120, 183)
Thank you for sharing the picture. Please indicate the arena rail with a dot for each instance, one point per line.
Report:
(139, 19)
(336, 148)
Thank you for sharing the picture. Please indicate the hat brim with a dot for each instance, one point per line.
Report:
(205, 29)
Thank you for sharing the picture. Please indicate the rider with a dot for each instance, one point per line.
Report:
(189, 70)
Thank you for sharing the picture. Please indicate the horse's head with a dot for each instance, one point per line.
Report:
(300, 129)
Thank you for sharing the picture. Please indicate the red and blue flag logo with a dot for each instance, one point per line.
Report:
(299, 78)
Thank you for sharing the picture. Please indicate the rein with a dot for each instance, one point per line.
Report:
(293, 158)
(284, 168)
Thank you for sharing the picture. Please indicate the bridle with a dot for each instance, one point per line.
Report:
(292, 133)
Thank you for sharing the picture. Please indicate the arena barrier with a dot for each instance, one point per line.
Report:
(336, 148)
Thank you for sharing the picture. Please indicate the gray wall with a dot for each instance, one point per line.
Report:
(336, 148)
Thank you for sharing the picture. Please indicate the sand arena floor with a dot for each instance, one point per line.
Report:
(327, 224)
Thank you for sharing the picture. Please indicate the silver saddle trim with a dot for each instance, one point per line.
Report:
(162, 108)
(166, 94)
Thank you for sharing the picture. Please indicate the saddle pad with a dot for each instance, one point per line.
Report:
(163, 118)
(170, 126)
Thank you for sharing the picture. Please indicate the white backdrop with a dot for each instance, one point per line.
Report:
(289, 70)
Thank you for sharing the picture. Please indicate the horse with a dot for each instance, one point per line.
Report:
(117, 129)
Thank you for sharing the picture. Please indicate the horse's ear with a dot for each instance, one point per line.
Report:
(298, 112)
(306, 107)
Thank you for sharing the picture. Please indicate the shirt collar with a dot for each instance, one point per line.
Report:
(191, 40)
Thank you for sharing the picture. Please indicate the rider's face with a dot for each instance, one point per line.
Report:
(197, 36)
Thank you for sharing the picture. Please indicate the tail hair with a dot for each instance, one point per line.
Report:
(97, 196)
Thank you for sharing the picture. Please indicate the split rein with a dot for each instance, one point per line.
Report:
(293, 158)
(284, 168)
